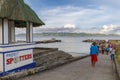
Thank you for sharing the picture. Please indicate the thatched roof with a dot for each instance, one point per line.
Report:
(19, 11)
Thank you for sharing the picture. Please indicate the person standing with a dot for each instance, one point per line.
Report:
(112, 51)
(107, 47)
(103, 47)
(93, 53)
(110, 47)
(112, 54)
(107, 50)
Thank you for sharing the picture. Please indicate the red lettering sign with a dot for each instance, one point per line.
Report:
(9, 61)
(20, 58)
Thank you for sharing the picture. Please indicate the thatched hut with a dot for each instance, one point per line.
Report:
(17, 14)
(14, 56)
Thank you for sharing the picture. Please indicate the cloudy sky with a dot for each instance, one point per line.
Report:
(92, 16)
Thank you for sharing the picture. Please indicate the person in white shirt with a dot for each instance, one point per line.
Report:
(112, 53)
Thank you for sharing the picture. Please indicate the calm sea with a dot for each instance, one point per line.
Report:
(72, 45)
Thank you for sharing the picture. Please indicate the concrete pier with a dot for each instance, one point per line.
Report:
(79, 70)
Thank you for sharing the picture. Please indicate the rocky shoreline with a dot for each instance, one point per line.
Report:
(48, 41)
(53, 40)
(93, 40)
(46, 58)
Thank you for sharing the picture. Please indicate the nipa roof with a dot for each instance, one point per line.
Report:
(18, 11)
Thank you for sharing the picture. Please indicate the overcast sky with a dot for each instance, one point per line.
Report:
(92, 16)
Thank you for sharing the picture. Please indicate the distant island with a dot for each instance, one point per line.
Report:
(68, 34)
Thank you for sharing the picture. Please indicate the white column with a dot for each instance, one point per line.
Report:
(11, 32)
(29, 32)
(0, 31)
(4, 31)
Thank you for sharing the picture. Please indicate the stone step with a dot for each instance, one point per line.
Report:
(38, 51)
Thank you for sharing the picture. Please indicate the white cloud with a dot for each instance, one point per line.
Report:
(84, 18)
(81, 17)
(20, 30)
(109, 29)
(106, 29)
(69, 26)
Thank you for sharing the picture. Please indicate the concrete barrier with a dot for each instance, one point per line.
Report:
(117, 69)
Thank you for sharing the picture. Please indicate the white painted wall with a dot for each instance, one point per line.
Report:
(1, 62)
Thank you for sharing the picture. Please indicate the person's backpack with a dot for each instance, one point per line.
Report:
(107, 49)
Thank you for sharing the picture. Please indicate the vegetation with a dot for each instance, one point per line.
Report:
(117, 44)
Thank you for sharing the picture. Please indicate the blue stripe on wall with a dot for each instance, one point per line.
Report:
(15, 50)
(25, 67)
(1, 46)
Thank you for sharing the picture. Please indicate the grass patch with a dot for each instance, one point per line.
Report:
(117, 55)
(118, 58)
(117, 49)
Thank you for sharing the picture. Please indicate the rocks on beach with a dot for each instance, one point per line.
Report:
(48, 41)
(94, 40)
(53, 40)
(100, 41)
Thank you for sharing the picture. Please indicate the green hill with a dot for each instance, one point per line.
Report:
(68, 34)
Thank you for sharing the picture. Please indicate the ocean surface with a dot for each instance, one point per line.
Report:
(72, 45)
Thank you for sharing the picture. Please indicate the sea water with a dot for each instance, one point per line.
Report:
(72, 45)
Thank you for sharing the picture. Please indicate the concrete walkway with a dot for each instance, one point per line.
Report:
(79, 70)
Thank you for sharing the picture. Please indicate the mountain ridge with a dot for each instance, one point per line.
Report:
(68, 34)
